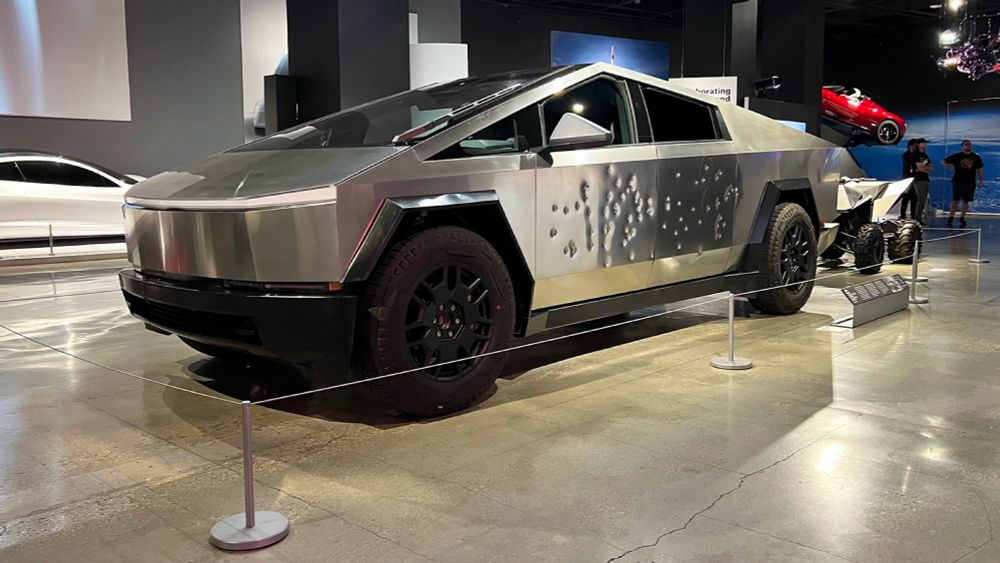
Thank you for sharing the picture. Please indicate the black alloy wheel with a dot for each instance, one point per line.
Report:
(796, 257)
(449, 317)
(439, 300)
(787, 261)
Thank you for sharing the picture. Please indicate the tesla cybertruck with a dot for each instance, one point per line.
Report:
(436, 225)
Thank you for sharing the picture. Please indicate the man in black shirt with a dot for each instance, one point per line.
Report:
(966, 165)
(922, 168)
(907, 198)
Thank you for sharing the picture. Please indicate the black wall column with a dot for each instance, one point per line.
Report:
(706, 37)
(743, 53)
(346, 52)
(791, 47)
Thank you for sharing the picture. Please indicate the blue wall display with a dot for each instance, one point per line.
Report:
(648, 57)
(976, 121)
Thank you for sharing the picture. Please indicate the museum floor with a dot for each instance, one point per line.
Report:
(877, 444)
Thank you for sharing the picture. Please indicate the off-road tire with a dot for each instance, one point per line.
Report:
(869, 249)
(785, 300)
(904, 243)
(228, 355)
(396, 292)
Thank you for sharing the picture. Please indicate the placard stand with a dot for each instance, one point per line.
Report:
(874, 300)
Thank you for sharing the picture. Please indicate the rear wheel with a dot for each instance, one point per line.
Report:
(904, 243)
(887, 132)
(789, 261)
(436, 298)
(869, 249)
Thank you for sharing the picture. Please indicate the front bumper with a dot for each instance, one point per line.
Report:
(299, 329)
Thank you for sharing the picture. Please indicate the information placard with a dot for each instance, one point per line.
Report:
(874, 300)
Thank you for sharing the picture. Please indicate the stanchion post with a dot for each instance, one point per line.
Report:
(52, 249)
(979, 249)
(731, 361)
(914, 300)
(250, 529)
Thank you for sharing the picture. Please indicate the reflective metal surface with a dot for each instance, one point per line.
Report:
(590, 223)
(295, 244)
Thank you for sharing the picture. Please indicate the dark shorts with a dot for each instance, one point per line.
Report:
(962, 192)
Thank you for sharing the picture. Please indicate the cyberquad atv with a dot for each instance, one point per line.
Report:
(865, 229)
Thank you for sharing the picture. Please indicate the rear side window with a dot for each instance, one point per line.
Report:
(9, 173)
(675, 118)
(44, 172)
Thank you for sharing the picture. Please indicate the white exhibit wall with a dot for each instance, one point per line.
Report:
(437, 62)
(264, 43)
(64, 59)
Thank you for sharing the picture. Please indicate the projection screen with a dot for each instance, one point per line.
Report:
(64, 58)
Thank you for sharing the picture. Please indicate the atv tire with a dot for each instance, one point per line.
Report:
(440, 295)
(789, 255)
(869, 249)
(904, 243)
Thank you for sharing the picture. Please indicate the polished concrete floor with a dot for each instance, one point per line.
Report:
(873, 444)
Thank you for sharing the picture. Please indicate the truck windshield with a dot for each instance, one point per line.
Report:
(383, 122)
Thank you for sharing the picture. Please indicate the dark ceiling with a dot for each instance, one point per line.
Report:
(846, 20)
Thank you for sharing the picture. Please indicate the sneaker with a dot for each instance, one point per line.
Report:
(962, 223)
(951, 222)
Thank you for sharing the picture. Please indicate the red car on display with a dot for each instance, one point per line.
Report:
(848, 110)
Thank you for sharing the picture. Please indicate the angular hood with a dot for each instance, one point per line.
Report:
(251, 174)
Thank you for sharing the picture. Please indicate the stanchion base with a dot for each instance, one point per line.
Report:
(978, 261)
(920, 279)
(919, 301)
(723, 362)
(232, 533)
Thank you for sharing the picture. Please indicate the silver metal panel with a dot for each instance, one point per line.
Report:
(511, 177)
(596, 210)
(296, 244)
(698, 197)
(254, 174)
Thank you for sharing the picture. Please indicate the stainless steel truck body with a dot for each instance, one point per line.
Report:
(438, 224)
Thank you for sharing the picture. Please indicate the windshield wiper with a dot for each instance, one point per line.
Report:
(411, 135)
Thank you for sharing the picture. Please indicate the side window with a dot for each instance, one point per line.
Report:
(601, 101)
(45, 172)
(515, 134)
(9, 173)
(675, 118)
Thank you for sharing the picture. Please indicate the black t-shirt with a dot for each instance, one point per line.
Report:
(907, 164)
(916, 158)
(965, 167)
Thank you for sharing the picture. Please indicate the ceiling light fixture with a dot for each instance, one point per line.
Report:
(955, 5)
(948, 37)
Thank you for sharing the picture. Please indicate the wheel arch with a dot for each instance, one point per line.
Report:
(479, 212)
(795, 190)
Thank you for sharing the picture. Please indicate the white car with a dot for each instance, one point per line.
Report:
(74, 197)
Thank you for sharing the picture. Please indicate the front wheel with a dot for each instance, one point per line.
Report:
(887, 132)
(437, 300)
(788, 261)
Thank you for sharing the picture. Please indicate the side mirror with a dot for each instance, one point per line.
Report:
(576, 132)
